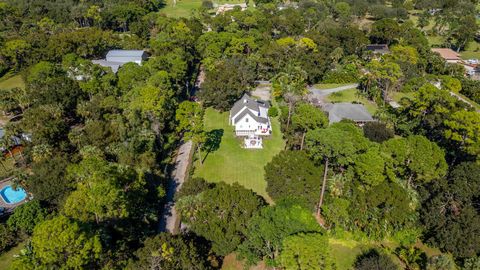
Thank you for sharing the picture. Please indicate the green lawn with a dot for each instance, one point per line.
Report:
(352, 95)
(11, 82)
(185, 8)
(345, 252)
(329, 85)
(231, 163)
(7, 257)
(472, 51)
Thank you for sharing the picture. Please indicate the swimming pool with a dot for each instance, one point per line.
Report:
(12, 196)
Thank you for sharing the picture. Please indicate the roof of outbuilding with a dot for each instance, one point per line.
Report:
(113, 65)
(125, 53)
(447, 54)
(339, 111)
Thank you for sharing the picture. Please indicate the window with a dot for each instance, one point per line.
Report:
(246, 119)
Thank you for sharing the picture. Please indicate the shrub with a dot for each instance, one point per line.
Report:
(273, 112)
(26, 216)
(374, 260)
(7, 238)
(377, 132)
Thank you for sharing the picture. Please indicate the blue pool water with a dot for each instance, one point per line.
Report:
(11, 196)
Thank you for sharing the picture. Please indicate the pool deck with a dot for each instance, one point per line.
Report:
(9, 206)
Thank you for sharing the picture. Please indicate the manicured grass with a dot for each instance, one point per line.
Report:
(11, 82)
(231, 163)
(352, 95)
(185, 8)
(345, 252)
(6, 258)
(329, 85)
(472, 51)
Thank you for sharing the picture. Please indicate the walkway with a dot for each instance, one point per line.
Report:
(169, 220)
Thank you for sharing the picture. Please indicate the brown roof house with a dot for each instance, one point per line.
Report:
(449, 55)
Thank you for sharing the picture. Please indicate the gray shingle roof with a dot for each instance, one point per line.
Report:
(251, 104)
(339, 111)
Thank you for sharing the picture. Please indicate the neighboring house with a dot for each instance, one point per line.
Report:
(227, 7)
(448, 55)
(116, 58)
(250, 117)
(380, 49)
(14, 139)
(355, 112)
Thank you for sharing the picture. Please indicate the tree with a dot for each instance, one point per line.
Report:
(386, 74)
(189, 116)
(337, 144)
(441, 262)
(450, 217)
(374, 260)
(226, 82)
(103, 190)
(48, 181)
(166, 251)
(416, 159)
(307, 117)
(267, 230)
(222, 221)
(26, 216)
(16, 52)
(62, 243)
(377, 131)
(463, 127)
(306, 252)
(291, 86)
(291, 174)
(7, 238)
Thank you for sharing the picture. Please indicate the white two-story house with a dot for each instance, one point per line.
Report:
(250, 117)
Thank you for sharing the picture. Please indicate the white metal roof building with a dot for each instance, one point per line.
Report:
(116, 58)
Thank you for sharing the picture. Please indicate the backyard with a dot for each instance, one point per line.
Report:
(230, 162)
(352, 95)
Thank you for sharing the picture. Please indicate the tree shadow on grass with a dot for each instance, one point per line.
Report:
(212, 144)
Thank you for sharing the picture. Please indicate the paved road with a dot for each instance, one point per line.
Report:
(169, 218)
(325, 92)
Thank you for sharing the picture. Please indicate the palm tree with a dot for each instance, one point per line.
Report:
(291, 86)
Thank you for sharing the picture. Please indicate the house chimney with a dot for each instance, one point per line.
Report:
(245, 100)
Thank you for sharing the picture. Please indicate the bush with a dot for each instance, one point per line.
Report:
(7, 238)
(374, 260)
(26, 216)
(377, 132)
(441, 262)
(207, 4)
(193, 186)
(273, 112)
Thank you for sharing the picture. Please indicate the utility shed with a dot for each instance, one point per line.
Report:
(355, 112)
(116, 58)
(126, 56)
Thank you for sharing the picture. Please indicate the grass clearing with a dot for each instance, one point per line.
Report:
(231, 163)
(11, 82)
(352, 95)
(6, 258)
(345, 252)
(472, 51)
(186, 8)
